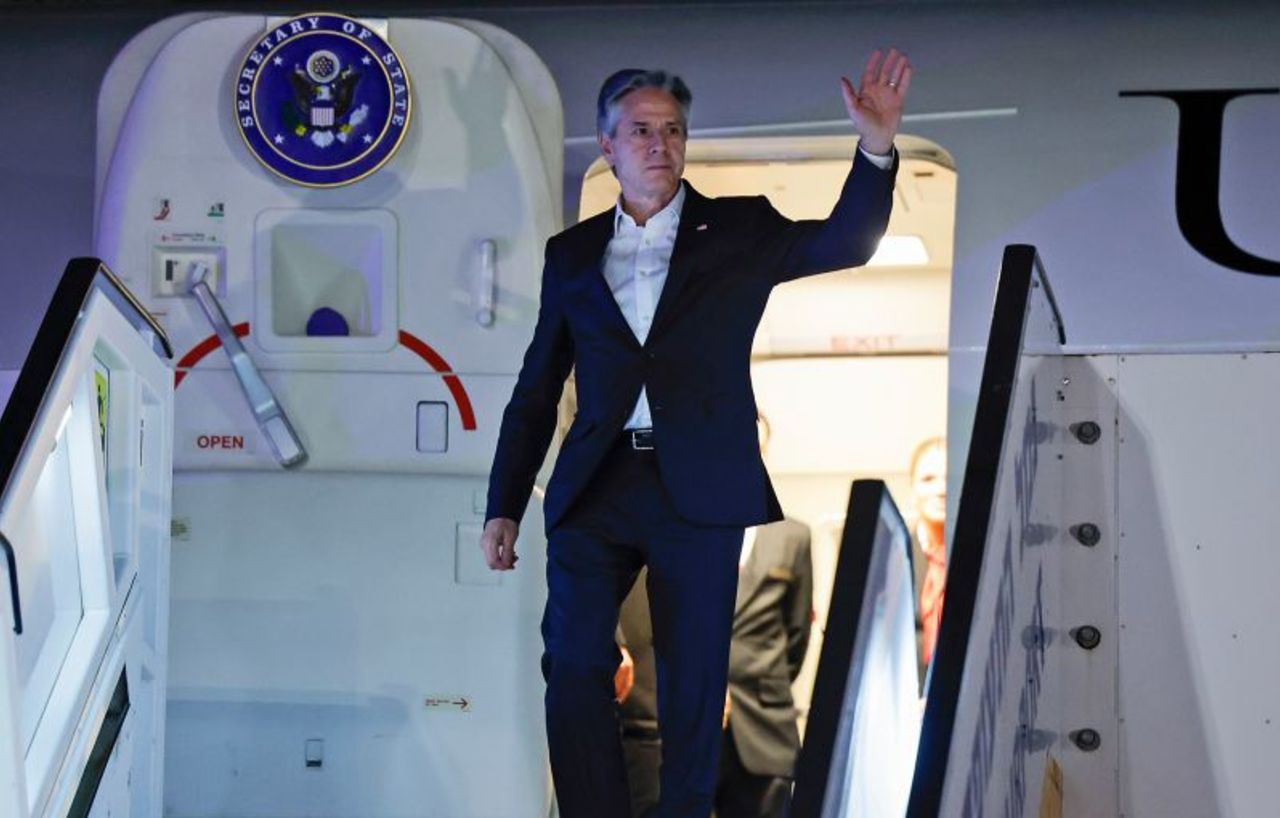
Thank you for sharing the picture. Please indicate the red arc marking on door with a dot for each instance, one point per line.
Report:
(439, 364)
(409, 341)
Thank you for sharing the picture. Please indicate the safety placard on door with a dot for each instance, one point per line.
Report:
(446, 703)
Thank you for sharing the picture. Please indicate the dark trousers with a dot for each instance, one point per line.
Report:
(623, 521)
(743, 794)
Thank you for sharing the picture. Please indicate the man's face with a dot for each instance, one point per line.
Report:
(647, 148)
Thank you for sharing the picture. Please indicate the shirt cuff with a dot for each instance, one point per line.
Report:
(882, 161)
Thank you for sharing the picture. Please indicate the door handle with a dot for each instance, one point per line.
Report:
(12, 559)
(267, 411)
(486, 284)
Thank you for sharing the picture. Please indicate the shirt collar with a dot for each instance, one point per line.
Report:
(671, 212)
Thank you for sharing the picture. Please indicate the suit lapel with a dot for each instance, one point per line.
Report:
(588, 260)
(692, 239)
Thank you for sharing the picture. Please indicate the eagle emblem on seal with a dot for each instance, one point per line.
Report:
(323, 94)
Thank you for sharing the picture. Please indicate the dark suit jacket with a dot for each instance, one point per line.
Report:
(771, 623)
(729, 253)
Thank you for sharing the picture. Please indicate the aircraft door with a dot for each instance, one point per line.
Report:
(369, 247)
(85, 469)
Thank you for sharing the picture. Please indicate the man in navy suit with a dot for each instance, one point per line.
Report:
(655, 304)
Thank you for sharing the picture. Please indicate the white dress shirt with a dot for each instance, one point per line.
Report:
(635, 268)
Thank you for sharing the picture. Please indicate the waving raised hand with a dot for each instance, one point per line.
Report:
(875, 106)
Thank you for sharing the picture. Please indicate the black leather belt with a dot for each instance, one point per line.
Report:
(640, 440)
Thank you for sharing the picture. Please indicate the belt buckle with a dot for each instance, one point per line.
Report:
(642, 440)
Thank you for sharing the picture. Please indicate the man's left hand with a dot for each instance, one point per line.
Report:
(875, 107)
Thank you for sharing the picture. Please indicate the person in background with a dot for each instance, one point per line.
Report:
(772, 616)
(928, 543)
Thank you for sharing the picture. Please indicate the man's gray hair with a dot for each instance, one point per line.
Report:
(623, 82)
